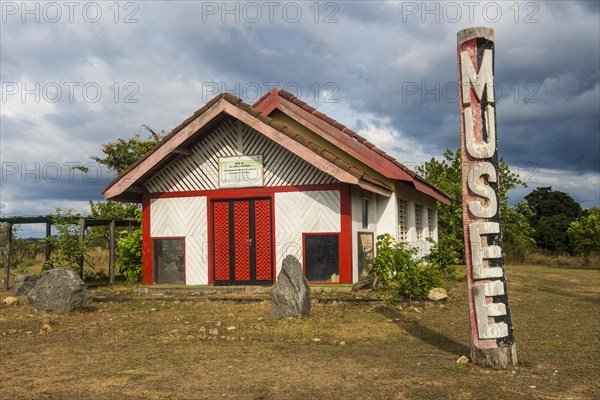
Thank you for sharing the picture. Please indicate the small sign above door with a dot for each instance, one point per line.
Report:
(241, 171)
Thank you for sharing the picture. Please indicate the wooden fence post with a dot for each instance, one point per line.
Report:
(81, 237)
(9, 228)
(48, 234)
(492, 338)
(111, 252)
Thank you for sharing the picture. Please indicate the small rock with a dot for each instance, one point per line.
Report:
(10, 300)
(316, 339)
(342, 343)
(45, 329)
(230, 328)
(214, 332)
(437, 294)
(462, 360)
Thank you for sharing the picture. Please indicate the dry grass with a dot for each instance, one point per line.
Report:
(94, 267)
(560, 260)
(154, 349)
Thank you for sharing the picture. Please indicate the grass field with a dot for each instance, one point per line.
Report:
(158, 349)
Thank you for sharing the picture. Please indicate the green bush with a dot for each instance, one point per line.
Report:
(400, 272)
(129, 253)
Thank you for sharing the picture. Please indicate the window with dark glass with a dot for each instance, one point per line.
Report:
(169, 264)
(365, 213)
(321, 254)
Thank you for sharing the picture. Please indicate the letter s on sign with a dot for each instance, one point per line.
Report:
(478, 187)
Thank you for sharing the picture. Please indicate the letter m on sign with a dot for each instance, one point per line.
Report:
(477, 80)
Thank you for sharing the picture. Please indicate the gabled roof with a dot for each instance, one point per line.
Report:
(128, 186)
(345, 139)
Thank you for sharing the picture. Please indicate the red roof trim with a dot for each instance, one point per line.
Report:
(365, 152)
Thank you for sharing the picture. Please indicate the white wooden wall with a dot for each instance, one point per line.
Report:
(184, 216)
(383, 218)
(413, 197)
(303, 212)
(199, 171)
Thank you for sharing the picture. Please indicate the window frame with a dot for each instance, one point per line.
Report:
(358, 241)
(431, 222)
(154, 269)
(304, 235)
(402, 237)
(419, 226)
(365, 212)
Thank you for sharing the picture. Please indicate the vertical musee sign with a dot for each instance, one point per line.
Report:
(492, 339)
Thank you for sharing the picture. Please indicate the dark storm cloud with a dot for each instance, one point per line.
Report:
(387, 63)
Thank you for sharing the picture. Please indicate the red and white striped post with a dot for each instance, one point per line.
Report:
(492, 338)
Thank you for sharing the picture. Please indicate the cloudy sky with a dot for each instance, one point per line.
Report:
(75, 75)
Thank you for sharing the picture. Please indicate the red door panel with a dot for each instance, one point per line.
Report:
(262, 220)
(241, 235)
(221, 240)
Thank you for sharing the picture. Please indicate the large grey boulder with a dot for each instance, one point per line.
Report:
(290, 296)
(59, 291)
(24, 283)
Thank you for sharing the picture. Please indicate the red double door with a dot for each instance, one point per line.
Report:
(242, 242)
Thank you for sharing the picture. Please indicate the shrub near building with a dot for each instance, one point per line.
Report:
(399, 272)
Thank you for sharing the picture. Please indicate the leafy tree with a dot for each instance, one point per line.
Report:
(118, 156)
(544, 202)
(551, 232)
(584, 234)
(550, 213)
(446, 175)
(122, 153)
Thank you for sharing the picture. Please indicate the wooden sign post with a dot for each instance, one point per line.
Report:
(492, 339)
